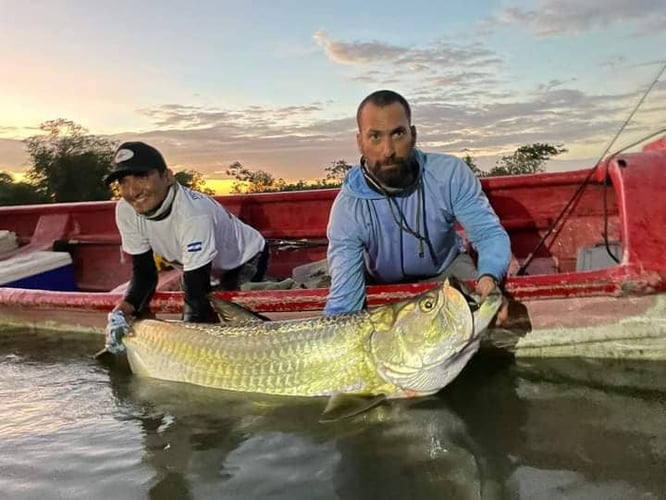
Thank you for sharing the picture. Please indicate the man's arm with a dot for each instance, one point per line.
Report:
(144, 274)
(196, 287)
(141, 287)
(198, 246)
(472, 209)
(345, 263)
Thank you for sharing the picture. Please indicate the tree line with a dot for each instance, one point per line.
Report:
(69, 164)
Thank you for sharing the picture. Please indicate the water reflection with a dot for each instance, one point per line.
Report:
(204, 441)
(503, 429)
(594, 429)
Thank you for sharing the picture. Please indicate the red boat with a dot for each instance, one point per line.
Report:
(588, 277)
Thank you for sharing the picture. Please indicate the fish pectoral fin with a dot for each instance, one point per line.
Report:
(341, 405)
(233, 314)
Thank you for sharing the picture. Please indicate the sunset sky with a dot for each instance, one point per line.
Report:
(275, 84)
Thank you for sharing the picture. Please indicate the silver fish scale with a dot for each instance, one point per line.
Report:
(307, 357)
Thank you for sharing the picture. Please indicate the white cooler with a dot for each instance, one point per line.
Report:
(39, 271)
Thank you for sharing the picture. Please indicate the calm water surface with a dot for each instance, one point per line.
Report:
(71, 428)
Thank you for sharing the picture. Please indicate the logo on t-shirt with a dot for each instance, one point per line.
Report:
(193, 194)
(195, 246)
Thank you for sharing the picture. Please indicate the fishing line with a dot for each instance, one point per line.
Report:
(579, 191)
(400, 218)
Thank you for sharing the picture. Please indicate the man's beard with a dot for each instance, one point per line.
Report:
(399, 175)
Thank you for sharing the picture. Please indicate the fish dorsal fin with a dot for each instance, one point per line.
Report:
(233, 314)
(342, 405)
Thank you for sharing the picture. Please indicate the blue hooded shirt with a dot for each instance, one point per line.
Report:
(371, 234)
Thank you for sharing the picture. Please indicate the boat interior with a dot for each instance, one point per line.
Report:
(562, 226)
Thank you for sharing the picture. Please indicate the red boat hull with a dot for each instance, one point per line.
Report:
(622, 198)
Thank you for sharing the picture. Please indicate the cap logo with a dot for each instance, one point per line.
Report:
(123, 155)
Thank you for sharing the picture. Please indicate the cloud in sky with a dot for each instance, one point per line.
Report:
(210, 140)
(357, 52)
(458, 104)
(251, 119)
(573, 17)
(284, 99)
(414, 58)
(455, 67)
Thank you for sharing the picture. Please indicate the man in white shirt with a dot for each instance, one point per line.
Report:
(188, 229)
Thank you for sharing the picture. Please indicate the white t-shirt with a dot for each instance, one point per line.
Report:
(197, 231)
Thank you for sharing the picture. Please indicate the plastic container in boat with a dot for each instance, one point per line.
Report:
(39, 271)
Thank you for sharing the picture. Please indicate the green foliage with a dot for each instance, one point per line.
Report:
(259, 181)
(335, 173)
(18, 193)
(471, 163)
(193, 180)
(248, 181)
(68, 163)
(299, 185)
(528, 159)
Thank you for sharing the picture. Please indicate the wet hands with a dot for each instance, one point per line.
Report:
(116, 328)
(486, 285)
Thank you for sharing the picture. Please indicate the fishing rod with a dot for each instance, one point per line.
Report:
(579, 191)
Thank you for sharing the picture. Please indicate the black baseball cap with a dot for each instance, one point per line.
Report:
(135, 158)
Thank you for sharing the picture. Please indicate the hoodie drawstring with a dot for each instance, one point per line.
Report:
(400, 219)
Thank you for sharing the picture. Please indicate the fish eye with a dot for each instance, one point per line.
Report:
(427, 304)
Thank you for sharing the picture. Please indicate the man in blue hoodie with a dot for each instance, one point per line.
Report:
(394, 218)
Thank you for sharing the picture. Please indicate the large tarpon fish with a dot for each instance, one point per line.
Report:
(406, 349)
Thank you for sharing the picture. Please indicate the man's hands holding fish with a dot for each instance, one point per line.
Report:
(486, 285)
(116, 328)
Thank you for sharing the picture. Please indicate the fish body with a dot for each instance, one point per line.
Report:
(406, 349)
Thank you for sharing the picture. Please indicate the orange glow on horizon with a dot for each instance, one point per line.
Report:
(18, 176)
(220, 186)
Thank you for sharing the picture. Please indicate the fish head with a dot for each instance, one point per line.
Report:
(420, 345)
